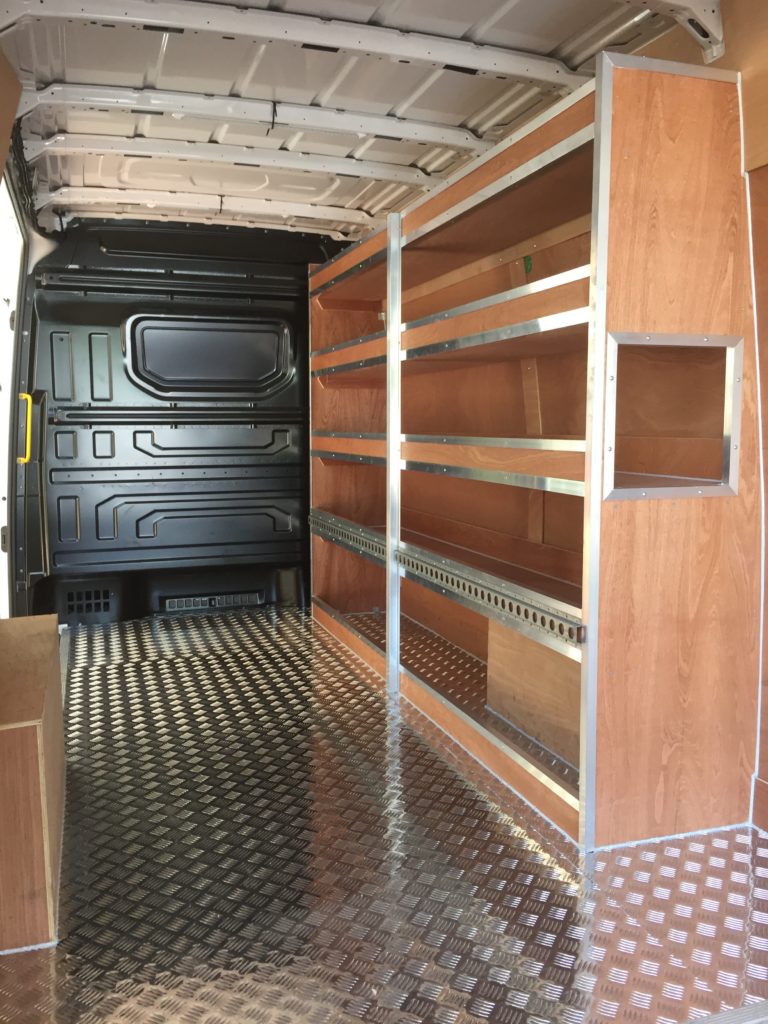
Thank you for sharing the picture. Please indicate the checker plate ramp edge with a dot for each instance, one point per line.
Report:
(250, 837)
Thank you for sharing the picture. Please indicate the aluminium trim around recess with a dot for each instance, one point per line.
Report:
(549, 156)
(678, 486)
(555, 485)
(557, 788)
(553, 623)
(540, 325)
(535, 443)
(376, 257)
(361, 540)
(533, 287)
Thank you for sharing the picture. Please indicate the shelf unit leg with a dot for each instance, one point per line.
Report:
(394, 319)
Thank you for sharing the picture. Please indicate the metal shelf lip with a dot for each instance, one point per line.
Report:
(542, 444)
(548, 156)
(347, 344)
(563, 792)
(349, 435)
(554, 623)
(541, 325)
(370, 261)
(359, 364)
(361, 540)
(369, 460)
(544, 284)
(495, 476)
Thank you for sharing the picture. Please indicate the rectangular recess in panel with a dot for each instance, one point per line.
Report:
(65, 442)
(62, 381)
(673, 415)
(101, 367)
(68, 510)
(103, 444)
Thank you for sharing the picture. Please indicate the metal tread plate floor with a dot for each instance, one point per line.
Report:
(251, 836)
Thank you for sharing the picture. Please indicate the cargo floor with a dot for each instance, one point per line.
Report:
(252, 837)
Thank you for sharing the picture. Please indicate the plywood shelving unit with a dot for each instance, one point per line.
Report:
(571, 392)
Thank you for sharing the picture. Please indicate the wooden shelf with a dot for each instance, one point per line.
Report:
(351, 447)
(528, 462)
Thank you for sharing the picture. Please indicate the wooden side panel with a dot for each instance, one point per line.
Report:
(346, 581)
(474, 400)
(371, 448)
(529, 461)
(52, 773)
(745, 27)
(335, 326)
(679, 579)
(24, 910)
(467, 629)
(376, 348)
(10, 90)
(347, 410)
(355, 491)
(536, 689)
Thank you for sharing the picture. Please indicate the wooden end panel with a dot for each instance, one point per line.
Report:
(334, 326)
(760, 806)
(10, 91)
(25, 918)
(346, 636)
(346, 581)
(492, 757)
(679, 579)
(529, 461)
(560, 127)
(462, 626)
(536, 689)
(350, 258)
(528, 307)
(52, 773)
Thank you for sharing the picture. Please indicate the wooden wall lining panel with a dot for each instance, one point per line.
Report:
(462, 626)
(347, 260)
(530, 461)
(346, 581)
(360, 410)
(537, 689)
(334, 326)
(10, 91)
(356, 491)
(678, 656)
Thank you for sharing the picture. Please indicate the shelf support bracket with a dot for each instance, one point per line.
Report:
(700, 18)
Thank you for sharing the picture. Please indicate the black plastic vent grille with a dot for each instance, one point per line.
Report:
(88, 602)
(204, 602)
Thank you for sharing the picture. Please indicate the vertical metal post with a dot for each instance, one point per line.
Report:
(394, 318)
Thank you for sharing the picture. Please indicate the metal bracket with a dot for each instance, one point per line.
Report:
(700, 18)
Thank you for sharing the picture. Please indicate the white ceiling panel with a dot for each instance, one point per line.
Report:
(343, 126)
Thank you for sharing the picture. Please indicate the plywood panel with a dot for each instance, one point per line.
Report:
(373, 349)
(535, 688)
(24, 911)
(347, 636)
(335, 326)
(52, 773)
(346, 581)
(679, 579)
(480, 400)
(467, 629)
(362, 410)
(745, 25)
(355, 491)
(370, 448)
(10, 90)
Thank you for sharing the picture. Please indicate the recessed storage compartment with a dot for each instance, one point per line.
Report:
(673, 415)
(352, 491)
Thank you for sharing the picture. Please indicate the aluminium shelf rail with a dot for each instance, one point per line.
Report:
(556, 624)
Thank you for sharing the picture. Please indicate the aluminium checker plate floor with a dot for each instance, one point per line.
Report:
(252, 837)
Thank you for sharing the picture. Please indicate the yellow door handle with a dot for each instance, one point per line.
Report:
(22, 459)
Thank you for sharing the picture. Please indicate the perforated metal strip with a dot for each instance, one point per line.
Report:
(349, 535)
